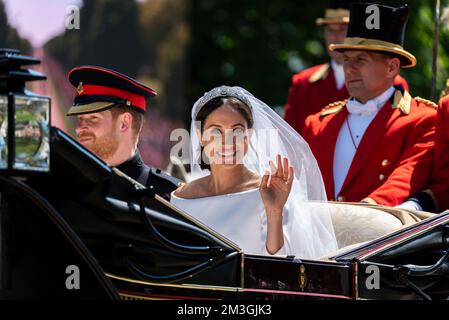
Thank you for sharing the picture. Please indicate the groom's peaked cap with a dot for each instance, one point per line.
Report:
(99, 89)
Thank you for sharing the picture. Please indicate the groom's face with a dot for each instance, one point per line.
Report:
(99, 133)
(224, 136)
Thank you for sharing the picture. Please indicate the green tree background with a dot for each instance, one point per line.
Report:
(145, 40)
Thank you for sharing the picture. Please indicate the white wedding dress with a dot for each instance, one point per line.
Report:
(240, 217)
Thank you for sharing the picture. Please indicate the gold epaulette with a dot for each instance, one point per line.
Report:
(426, 102)
(321, 73)
(333, 107)
(402, 101)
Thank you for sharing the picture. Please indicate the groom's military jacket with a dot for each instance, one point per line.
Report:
(394, 157)
(154, 179)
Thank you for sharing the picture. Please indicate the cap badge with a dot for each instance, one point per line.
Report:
(80, 88)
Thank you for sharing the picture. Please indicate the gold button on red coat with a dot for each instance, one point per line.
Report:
(340, 199)
(385, 163)
(381, 177)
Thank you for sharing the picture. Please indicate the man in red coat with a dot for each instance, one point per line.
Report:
(435, 198)
(314, 88)
(377, 146)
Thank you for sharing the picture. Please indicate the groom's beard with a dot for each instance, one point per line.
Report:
(103, 147)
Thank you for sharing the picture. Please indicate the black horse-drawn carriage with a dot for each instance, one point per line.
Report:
(73, 228)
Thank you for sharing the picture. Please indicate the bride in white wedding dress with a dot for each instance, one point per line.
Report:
(256, 179)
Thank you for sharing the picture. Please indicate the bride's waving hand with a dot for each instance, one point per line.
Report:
(274, 190)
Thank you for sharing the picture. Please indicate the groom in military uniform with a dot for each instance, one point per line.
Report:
(110, 108)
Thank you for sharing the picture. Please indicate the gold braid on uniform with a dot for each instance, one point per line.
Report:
(333, 107)
(426, 102)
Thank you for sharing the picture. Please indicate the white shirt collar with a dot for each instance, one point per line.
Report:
(383, 98)
(372, 106)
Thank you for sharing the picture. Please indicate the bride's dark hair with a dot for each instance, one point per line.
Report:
(216, 103)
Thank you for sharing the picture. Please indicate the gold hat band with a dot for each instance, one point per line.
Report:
(334, 16)
(362, 41)
(355, 43)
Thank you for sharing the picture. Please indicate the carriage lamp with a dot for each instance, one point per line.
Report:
(24, 117)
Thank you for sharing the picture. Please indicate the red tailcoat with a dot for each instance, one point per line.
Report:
(439, 185)
(312, 90)
(394, 157)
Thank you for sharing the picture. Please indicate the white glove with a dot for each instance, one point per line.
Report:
(410, 205)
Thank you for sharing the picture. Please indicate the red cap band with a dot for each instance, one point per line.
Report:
(135, 99)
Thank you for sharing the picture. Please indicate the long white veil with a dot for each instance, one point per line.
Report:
(308, 230)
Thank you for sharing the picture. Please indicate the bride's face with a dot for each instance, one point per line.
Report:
(225, 136)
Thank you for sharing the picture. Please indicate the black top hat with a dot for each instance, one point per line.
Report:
(380, 28)
(337, 11)
(99, 89)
